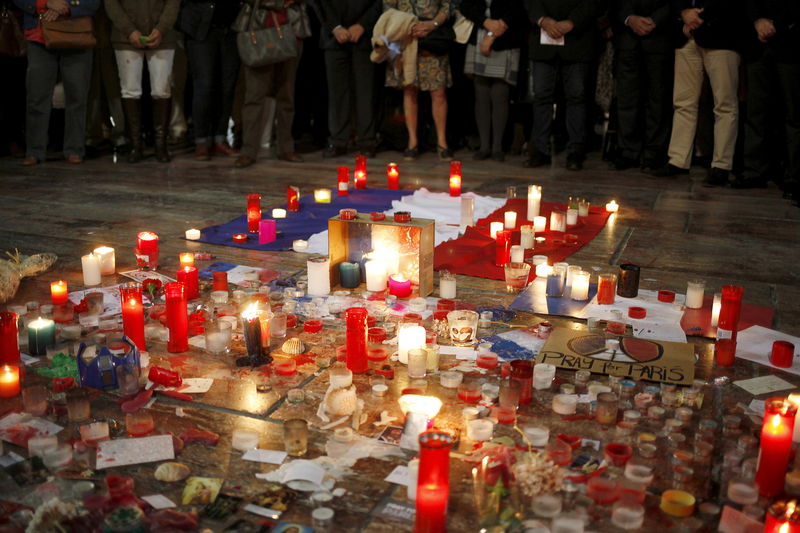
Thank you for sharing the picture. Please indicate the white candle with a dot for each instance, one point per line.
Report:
(319, 277)
(612, 206)
(565, 404)
(526, 237)
(413, 474)
(558, 221)
(376, 275)
(571, 271)
(794, 399)
(537, 436)
(244, 440)
(480, 429)
(539, 224)
(467, 213)
(517, 254)
(299, 245)
(572, 217)
(717, 305)
(217, 341)
(417, 363)
(192, 234)
(409, 337)
(534, 201)
(695, 290)
(322, 196)
(447, 287)
(91, 270)
(544, 270)
(580, 286)
(278, 213)
(543, 374)
(108, 263)
(510, 219)
(539, 260)
(494, 227)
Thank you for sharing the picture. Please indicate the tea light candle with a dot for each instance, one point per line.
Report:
(58, 292)
(567, 524)
(299, 245)
(534, 201)
(580, 286)
(539, 224)
(546, 505)
(451, 379)
(244, 439)
(612, 206)
(639, 473)
(544, 270)
(380, 389)
(409, 337)
(510, 219)
(627, 516)
(91, 270)
(192, 234)
(9, 381)
(319, 278)
(480, 429)
(563, 404)
(41, 334)
(517, 254)
(494, 227)
(107, 259)
(322, 196)
(537, 436)
(239, 237)
(695, 290)
(715, 307)
(399, 286)
(375, 270)
(278, 213)
(527, 237)
(543, 374)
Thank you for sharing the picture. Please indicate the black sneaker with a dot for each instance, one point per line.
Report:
(574, 162)
(668, 171)
(482, 155)
(716, 177)
(334, 151)
(410, 154)
(537, 159)
(623, 163)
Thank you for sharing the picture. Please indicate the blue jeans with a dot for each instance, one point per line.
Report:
(573, 78)
(76, 73)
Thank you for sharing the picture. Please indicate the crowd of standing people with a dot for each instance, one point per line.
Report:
(675, 81)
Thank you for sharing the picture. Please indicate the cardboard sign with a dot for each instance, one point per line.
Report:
(669, 362)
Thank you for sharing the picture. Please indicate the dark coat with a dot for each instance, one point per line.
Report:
(512, 12)
(345, 13)
(659, 40)
(785, 15)
(579, 43)
(77, 8)
(724, 24)
(145, 16)
(196, 17)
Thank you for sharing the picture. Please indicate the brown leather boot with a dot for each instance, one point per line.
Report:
(160, 127)
(133, 123)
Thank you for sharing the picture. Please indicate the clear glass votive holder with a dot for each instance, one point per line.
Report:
(463, 327)
(295, 437)
(218, 336)
(516, 275)
(35, 400)
(277, 325)
(78, 407)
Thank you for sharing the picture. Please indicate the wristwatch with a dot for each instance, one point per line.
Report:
(435, 24)
(490, 34)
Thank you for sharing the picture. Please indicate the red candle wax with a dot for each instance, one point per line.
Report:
(502, 253)
(9, 339)
(177, 317)
(606, 288)
(285, 367)
(165, 377)
(312, 326)
(399, 286)
(729, 311)
(292, 198)
(455, 178)
(392, 176)
(725, 352)
(189, 276)
(433, 482)
(782, 354)
(220, 280)
(776, 446)
(487, 360)
(377, 354)
(343, 181)
(360, 172)
(356, 323)
(58, 292)
(147, 250)
(504, 416)
(130, 295)
(522, 371)
(253, 212)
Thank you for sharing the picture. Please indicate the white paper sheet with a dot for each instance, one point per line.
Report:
(159, 501)
(141, 275)
(44, 427)
(755, 344)
(123, 452)
(763, 385)
(305, 471)
(398, 476)
(273, 457)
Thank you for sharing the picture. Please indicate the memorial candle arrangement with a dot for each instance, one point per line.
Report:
(147, 250)
(292, 198)
(360, 172)
(107, 258)
(9, 339)
(9, 381)
(392, 176)
(133, 313)
(252, 331)
(776, 446)
(177, 317)
(59, 294)
(91, 270)
(534, 202)
(342, 181)
(253, 212)
(455, 178)
(356, 324)
(433, 482)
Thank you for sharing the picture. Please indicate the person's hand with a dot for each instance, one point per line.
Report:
(341, 35)
(135, 38)
(765, 29)
(495, 26)
(641, 26)
(356, 31)
(59, 6)
(422, 28)
(550, 27)
(486, 45)
(154, 39)
(50, 16)
(565, 26)
(687, 31)
(691, 17)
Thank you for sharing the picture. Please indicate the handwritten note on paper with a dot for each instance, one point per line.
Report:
(123, 452)
(763, 385)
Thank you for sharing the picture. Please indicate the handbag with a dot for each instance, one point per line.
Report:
(439, 40)
(69, 34)
(266, 46)
(242, 22)
(12, 40)
(298, 18)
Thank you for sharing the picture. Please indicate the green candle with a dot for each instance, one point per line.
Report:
(41, 334)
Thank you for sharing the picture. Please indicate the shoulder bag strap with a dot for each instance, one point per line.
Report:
(250, 29)
(278, 28)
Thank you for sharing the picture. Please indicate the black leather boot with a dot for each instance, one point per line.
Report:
(160, 126)
(133, 121)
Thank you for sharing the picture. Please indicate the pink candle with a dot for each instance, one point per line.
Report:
(267, 231)
(399, 286)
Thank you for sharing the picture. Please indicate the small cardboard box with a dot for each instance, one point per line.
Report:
(408, 245)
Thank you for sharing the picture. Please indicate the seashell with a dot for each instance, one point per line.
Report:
(341, 402)
(293, 346)
(172, 471)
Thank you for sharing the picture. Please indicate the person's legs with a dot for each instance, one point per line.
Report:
(685, 99)
(40, 80)
(76, 73)
(574, 79)
(544, 84)
(722, 67)
(228, 58)
(178, 76)
(500, 95)
(338, 67)
(257, 82)
(439, 107)
(789, 79)
(159, 65)
(364, 85)
(759, 80)
(658, 113)
(483, 114)
(203, 56)
(129, 67)
(628, 85)
(285, 74)
(410, 110)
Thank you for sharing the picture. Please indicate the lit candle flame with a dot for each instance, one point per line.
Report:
(415, 403)
(251, 312)
(784, 528)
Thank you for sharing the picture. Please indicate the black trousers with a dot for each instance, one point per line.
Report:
(350, 77)
(644, 104)
(771, 79)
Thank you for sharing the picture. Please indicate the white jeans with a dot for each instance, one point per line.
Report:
(159, 63)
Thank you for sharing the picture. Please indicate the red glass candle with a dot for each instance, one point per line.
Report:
(165, 377)
(292, 198)
(392, 176)
(377, 217)
(177, 317)
(220, 281)
(606, 288)
(130, 295)
(253, 212)
(666, 296)
(445, 305)
(356, 322)
(58, 292)
(433, 482)
(147, 250)
(522, 371)
(343, 181)
(9, 339)
(776, 446)
(312, 326)
(377, 354)
(502, 254)
(487, 360)
(399, 286)
(239, 237)
(348, 214)
(725, 352)
(782, 354)
(504, 416)
(285, 367)
(9, 381)
(783, 517)
(402, 216)
(601, 490)
(376, 335)
(729, 311)
(617, 453)
(455, 178)
(189, 276)
(360, 172)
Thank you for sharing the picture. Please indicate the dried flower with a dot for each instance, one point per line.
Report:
(535, 474)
